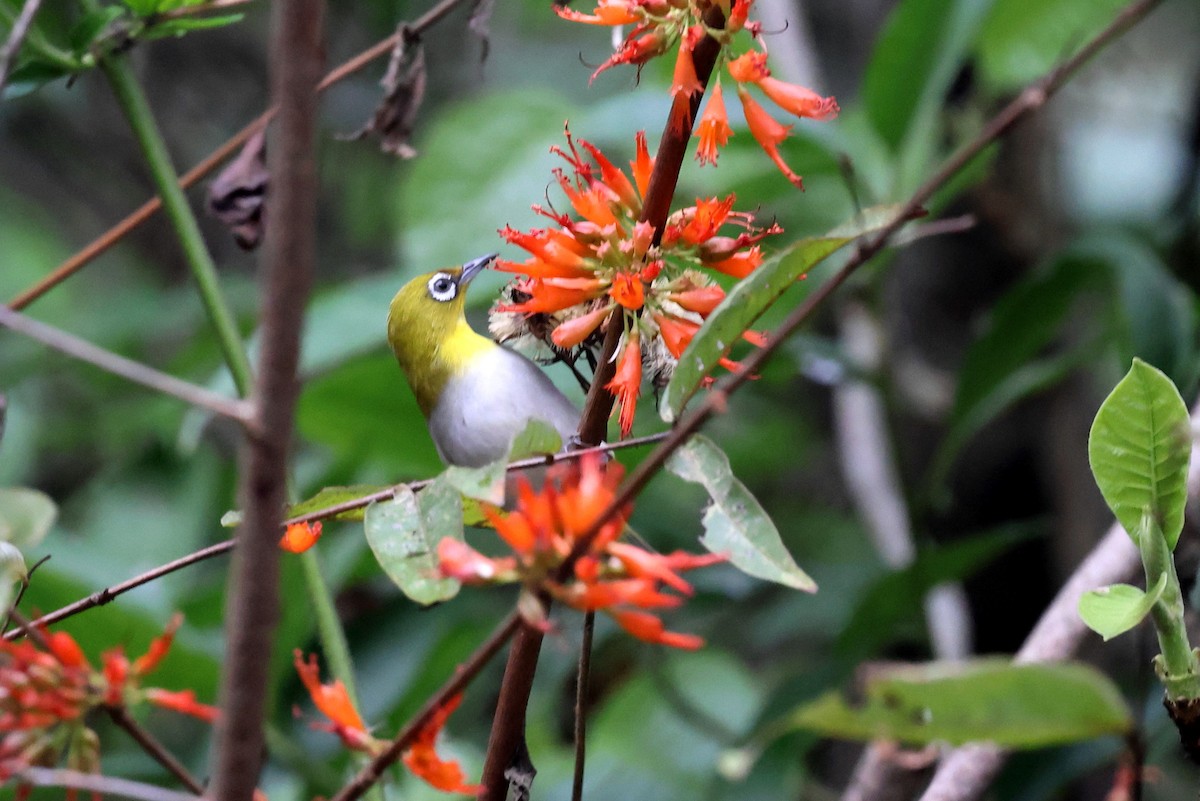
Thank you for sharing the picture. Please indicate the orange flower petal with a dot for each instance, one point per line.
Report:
(798, 100)
(713, 131)
(626, 384)
(158, 647)
(642, 165)
(702, 299)
(333, 700)
(299, 537)
(676, 333)
(628, 290)
(575, 331)
(643, 564)
(183, 702)
(422, 758)
(646, 626)
(769, 133)
(749, 67)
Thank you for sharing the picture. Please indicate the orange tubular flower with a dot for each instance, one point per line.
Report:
(684, 83)
(183, 702)
(769, 133)
(626, 384)
(646, 626)
(676, 333)
(713, 130)
(333, 701)
(798, 100)
(627, 290)
(299, 537)
(610, 13)
(422, 758)
(158, 647)
(573, 332)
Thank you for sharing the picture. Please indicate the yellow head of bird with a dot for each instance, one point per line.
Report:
(428, 330)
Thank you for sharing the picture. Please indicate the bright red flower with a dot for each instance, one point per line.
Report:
(299, 537)
(183, 702)
(158, 647)
(713, 130)
(423, 760)
(626, 384)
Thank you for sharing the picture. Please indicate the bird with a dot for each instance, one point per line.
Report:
(476, 395)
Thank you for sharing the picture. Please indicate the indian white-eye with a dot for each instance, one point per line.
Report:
(476, 395)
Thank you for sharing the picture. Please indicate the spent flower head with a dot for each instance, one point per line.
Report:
(546, 527)
(601, 262)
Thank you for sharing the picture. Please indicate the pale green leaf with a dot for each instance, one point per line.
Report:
(1139, 448)
(12, 573)
(734, 522)
(26, 516)
(1014, 706)
(746, 302)
(404, 533)
(1116, 609)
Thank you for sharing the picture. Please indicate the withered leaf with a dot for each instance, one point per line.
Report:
(236, 196)
(404, 91)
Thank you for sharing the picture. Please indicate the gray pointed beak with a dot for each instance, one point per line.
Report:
(474, 267)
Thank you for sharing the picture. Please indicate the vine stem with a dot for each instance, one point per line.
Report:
(154, 748)
(287, 272)
(137, 110)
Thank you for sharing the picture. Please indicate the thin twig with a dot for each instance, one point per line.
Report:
(21, 592)
(29, 628)
(107, 594)
(8, 53)
(128, 369)
(462, 677)
(296, 49)
(97, 783)
(231, 146)
(104, 596)
(581, 705)
(154, 748)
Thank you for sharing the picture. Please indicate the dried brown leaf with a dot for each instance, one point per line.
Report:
(404, 90)
(236, 196)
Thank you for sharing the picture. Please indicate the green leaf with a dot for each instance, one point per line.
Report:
(484, 483)
(914, 60)
(12, 573)
(404, 533)
(26, 516)
(1014, 706)
(1116, 609)
(1022, 39)
(751, 297)
(538, 438)
(332, 496)
(1139, 448)
(179, 27)
(735, 523)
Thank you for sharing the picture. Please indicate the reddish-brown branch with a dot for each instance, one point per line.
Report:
(252, 602)
(154, 748)
(115, 234)
(508, 728)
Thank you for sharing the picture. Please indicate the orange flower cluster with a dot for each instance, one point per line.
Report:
(611, 576)
(46, 694)
(333, 701)
(603, 259)
(299, 537)
(660, 25)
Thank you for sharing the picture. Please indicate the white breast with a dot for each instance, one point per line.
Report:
(479, 413)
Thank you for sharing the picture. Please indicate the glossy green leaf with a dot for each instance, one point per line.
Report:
(734, 522)
(1022, 39)
(404, 533)
(12, 573)
(1014, 706)
(1116, 609)
(1139, 448)
(26, 516)
(538, 438)
(746, 302)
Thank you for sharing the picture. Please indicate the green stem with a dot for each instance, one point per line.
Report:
(1178, 665)
(329, 628)
(141, 120)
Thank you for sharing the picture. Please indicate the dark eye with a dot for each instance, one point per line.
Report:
(442, 287)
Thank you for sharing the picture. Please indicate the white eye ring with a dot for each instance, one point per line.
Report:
(442, 287)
